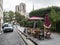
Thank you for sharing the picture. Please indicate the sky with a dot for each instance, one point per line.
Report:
(10, 4)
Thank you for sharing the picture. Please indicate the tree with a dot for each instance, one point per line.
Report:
(11, 15)
(41, 12)
(5, 17)
(55, 17)
(58, 16)
(53, 14)
(19, 17)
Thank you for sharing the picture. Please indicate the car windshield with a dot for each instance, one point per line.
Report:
(9, 25)
(6, 25)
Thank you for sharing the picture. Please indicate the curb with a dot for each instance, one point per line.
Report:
(23, 34)
(28, 38)
(23, 39)
(32, 41)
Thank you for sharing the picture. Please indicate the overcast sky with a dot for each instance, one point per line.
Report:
(10, 4)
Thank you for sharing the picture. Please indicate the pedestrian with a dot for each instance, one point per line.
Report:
(41, 34)
(24, 30)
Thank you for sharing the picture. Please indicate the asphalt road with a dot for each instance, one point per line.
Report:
(11, 38)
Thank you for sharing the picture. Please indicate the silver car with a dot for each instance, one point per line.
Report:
(7, 27)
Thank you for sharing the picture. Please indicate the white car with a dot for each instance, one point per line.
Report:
(7, 27)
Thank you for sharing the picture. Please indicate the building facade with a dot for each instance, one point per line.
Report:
(1, 14)
(21, 8)
(17, 8)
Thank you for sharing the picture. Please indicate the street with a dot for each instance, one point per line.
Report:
(11, 38)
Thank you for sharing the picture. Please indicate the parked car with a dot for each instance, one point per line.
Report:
(7, 27)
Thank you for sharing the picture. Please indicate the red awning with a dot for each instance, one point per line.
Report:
(36, 18)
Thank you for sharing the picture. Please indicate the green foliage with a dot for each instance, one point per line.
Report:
(53, 12)
(58, 26)
(19, 18)
(4, 18)
(41, 12)
(54, 17)
(8, 16)
(11, 15)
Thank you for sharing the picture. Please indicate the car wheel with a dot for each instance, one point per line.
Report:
(4, 31)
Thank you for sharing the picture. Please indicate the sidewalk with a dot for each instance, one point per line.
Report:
(55, 39)
(24, 37)
(0, 33)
